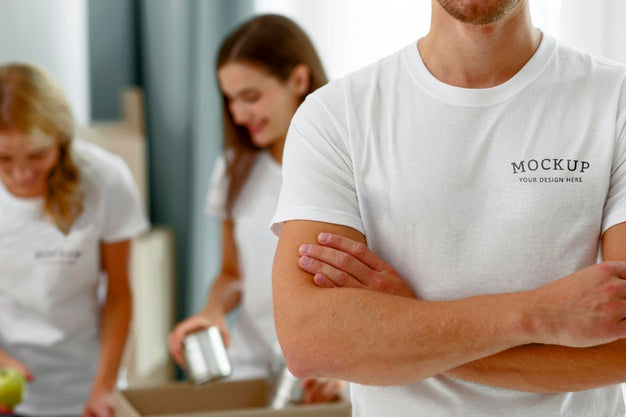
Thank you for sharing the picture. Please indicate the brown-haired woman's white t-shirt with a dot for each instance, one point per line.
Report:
(254, 340)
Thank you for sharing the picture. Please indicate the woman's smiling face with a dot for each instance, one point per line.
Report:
(26, 161)
(259, 101)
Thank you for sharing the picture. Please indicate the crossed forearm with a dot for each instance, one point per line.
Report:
(549, 368)
(584, 310)
(378, 339)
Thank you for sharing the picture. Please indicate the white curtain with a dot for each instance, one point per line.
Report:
(350, 34)
(53, 35)
(595, 26)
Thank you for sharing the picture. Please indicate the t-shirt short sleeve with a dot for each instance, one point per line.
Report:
(615, 206)
(124, 213)
(318, 179)
(218, 190)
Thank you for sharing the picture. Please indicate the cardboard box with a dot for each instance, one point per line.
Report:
(220, 399)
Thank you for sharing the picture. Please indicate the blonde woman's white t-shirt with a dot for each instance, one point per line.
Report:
(467, 191)
(49, 312)
(253, 332)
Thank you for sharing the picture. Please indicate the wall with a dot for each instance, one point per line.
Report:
(53, 35)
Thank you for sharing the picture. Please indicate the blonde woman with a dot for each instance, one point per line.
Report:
(68, 212)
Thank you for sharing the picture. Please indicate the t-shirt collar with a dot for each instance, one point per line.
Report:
(479, 97)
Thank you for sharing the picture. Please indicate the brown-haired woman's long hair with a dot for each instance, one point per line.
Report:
(29, 101)
(276, 44)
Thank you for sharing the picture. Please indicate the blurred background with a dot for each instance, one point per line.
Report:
(140, 77)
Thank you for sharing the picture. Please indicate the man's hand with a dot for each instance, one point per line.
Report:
(341, 262)
(586, 308)
(583, 309)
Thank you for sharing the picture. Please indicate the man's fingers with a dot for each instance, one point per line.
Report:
(616, 267)
(617, 272)
(334, 263)
(357, 249)
(323, 281)
(324, 271)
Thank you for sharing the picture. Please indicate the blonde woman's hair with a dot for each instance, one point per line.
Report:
(31, 101)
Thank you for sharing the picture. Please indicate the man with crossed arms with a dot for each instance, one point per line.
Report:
(486, 164)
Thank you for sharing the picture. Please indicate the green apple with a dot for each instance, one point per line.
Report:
(12, 387)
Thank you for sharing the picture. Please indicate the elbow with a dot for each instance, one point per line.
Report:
(302, 347)
(298, 367)
(298, 354)
(301, 324)
(302, 366)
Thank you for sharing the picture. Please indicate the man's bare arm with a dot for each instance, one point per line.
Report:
(549, 368)
(376, 338)
(546, 368)
(535, 368)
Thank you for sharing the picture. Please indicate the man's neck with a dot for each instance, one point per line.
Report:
(478, 56)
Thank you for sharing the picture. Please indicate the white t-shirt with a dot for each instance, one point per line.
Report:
(49, 310)
(467, 191)
(253, 334)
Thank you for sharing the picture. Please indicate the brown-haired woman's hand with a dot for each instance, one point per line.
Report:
(199, 321)
(337, 261)
(100, 402)
(321, 390)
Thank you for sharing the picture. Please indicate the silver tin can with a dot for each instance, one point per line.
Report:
(205, 355)
(288, 390)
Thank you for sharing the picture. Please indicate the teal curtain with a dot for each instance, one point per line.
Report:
(113, 57)
(179, 41)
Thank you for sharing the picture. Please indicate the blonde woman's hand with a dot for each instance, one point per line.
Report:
(100, 403)
(7, 361)
(199, 321)
(321, 390)
(337, 261)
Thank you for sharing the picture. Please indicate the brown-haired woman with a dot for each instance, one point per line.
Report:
(265, 67)
(69, 209)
